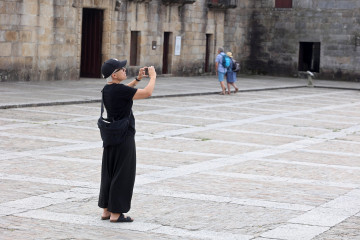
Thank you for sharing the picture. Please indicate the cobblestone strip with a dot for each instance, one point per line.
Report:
(52, 150)
(335, 166)
(90, 189)
(330, 152)
(135, 226)
(320, 219)
(62, 140)
(95, 161)
(45, 200)
(282, 179)
(295, 232)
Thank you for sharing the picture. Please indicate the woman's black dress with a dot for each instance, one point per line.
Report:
(119, 161)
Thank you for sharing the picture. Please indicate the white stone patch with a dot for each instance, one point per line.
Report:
(332, 212)
(346, 154)
(30, 124)
(349, 202)
(49, 112)
(326, 217)
(165, 124)
(200, 234)
(224, 141)
(261, 238)
(45, 200)
(53, 150)
(322, 165)
(320, 219)
(7, 211)
(282, 179)
(67, 159)
(16, 125)
(67, 125)
(54, 181)
(50, 139)
(265, 133)
(182, 152)
(294, 232)
(97, 162)
(34, 202)
(324, 120)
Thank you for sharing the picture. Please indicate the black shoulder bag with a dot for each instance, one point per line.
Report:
(112, 132)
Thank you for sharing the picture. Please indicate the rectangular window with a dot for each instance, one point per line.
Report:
(283, 3)
(134, 48)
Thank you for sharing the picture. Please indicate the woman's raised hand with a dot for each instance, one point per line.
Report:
(152, 72)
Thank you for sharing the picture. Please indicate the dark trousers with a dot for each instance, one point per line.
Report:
(118, 176)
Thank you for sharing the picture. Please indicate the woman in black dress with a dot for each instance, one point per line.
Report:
(119, 161)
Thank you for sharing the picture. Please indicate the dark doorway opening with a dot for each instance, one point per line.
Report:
(91, 42)
(207, 53)
(309, 56)
(134, 48)
(283, 3)
(166, 47)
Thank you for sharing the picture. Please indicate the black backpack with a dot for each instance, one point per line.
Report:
(236, 66)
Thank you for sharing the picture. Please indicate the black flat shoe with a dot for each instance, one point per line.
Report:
(122, 218)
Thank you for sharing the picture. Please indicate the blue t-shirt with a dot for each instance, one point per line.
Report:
(231, 65)
(219, 59)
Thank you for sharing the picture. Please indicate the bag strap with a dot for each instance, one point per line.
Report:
(102, 103)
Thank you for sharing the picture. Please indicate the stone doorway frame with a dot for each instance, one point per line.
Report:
(108, 6)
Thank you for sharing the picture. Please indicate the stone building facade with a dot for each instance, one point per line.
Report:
(322, 36)
(69, 39)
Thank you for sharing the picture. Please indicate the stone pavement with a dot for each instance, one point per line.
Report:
(24, 94)
(280, 163)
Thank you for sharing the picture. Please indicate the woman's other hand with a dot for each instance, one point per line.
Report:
(141, 73)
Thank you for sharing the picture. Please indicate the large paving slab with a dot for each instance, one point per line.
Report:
(275, 164)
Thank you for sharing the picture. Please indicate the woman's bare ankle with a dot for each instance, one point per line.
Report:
(114, 216)
(105, 213)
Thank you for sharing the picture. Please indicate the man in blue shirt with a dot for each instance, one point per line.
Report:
(220, 70)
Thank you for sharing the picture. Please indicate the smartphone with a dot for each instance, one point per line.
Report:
(146, 71)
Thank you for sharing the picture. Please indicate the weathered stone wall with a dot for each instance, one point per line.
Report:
(41, 39)
(274, 36)
(190, 21)
(37, 40)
